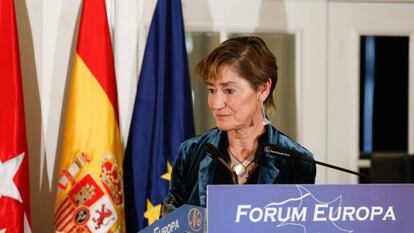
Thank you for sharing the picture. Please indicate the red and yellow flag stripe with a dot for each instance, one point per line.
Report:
(90, 189)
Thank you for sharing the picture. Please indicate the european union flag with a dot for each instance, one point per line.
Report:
(162, 116)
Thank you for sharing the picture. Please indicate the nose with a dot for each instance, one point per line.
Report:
(216, 101)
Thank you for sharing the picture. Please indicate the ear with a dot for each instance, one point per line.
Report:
(265, 90)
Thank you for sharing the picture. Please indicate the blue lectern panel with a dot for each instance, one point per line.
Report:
(310, 208)
(187, 218)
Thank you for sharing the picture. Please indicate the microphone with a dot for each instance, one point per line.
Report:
(215, 154)
(287, 153)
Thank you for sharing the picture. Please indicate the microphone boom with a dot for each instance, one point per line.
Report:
(272, 149)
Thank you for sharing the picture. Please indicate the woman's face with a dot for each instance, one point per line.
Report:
(233, 102)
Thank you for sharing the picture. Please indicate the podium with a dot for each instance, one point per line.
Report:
(187, 218)
(311, 208)
(386, 208)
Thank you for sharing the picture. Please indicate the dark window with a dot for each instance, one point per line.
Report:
(384, 109)
(384, 94)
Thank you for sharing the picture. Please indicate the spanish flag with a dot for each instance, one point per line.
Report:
(90, 190)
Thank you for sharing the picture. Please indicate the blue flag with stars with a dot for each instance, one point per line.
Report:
(162, 118)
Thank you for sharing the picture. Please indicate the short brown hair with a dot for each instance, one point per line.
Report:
(248, 56)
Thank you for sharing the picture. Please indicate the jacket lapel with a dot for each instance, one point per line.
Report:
(206, 170)
(268, 171)
(205, 177)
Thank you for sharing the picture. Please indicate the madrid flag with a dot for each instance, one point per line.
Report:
(90, 190)
(14, 163)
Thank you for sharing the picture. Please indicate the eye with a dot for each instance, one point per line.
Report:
(229, 91)
(211, 90)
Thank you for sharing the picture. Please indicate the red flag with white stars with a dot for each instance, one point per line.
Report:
(14, 163)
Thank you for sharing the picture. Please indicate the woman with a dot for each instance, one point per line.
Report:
(241, 75)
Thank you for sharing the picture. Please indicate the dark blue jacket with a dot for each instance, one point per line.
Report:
(193, 169)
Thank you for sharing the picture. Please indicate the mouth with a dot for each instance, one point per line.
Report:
(221, 115)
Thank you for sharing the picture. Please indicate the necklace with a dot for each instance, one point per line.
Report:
(240, 167)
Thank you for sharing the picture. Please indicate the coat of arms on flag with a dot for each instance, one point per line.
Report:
(86, 209)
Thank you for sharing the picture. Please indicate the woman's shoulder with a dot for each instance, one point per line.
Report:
(211, 136)
(284, 141)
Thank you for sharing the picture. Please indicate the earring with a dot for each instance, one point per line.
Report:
(265, 120)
